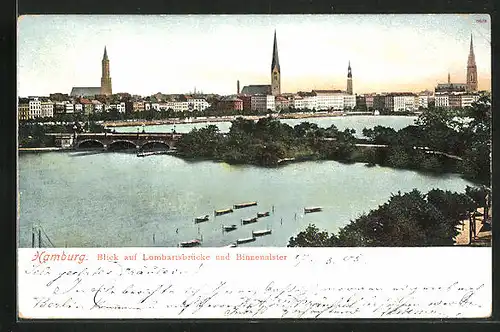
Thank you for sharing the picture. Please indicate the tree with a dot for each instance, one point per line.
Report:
(312, 237)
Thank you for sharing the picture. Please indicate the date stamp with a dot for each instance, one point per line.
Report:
(481, 20)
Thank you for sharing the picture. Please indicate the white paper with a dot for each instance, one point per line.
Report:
(449, 282)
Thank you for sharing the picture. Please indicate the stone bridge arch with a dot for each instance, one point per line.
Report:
(122, 144)
(154, 143)
(90, 143)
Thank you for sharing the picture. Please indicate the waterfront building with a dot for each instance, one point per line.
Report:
(136, 106)
(47, 106)
(389, 102)
(199, 104)
(469, 99)
(423, 101)
(230, 103)
(349, 79)
(35, 108)
(78, 107)
(69, 108)
(155, 106)
(263, 103)
(404, 101)
(329, 99)
(442, 100)
(471, 69)
(121, 108)
(105, 78)
(369, 101)
(282, 103)
(23, 108)
(97, 105)
(349, 101)
(247, 102)
(88, 106)
(379, 102)
(361, 102)
(275, 70)
(454, 100)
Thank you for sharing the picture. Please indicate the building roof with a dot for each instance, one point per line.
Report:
(230, 98)
(85, 91)
(327, 91)
(256, 89)
(451, 87)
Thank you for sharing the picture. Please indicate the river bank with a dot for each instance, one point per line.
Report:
(172, 121)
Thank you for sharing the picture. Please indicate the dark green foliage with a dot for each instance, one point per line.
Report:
(406, 220)
(312, 237)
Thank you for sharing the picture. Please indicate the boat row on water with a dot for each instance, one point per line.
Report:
(312, 209)
(253, 238)
(244, 205)
(235, 206)
(191, 243)
(223, 211)
(245, 221)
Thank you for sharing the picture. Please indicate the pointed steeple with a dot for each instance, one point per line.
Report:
(472, 60)
(449, 81)
(471, 69)
(349, 73)
(276, 61)
(105, 56)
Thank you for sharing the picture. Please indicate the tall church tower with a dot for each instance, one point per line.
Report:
(471, 69)
(275, 70)
(105, 78)
(349, 79)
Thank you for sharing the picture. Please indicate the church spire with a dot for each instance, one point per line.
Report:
(349, 79)
(275, 70)
(276, 61)
(106, 77)
(471, 69)
(449, 81)
(105, 56)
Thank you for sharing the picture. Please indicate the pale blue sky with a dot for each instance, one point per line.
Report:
(176, 53)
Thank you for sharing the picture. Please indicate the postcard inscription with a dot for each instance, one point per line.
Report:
(270, 283)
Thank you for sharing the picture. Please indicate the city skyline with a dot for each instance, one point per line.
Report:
(209, 53)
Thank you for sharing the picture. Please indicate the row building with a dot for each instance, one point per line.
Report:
(269, 97)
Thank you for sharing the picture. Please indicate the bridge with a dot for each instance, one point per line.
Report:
(120, 141)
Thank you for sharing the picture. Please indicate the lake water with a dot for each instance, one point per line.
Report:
(342, 122)
(120, 200)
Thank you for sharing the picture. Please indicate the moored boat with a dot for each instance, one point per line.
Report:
(232, 245)
(246, 240)
(191, 243)
(262, 214)
(262, 232)
(201, 218)
(228, 228)
(223, 211)
(244, 205)
(312, 209)
(248, 220)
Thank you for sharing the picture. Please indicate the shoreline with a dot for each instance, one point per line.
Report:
(174, 121)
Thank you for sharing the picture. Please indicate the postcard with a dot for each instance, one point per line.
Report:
(254, 166)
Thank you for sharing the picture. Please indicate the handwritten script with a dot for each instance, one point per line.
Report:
(263, 283)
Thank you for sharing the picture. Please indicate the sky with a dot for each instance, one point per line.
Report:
(209, 53)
